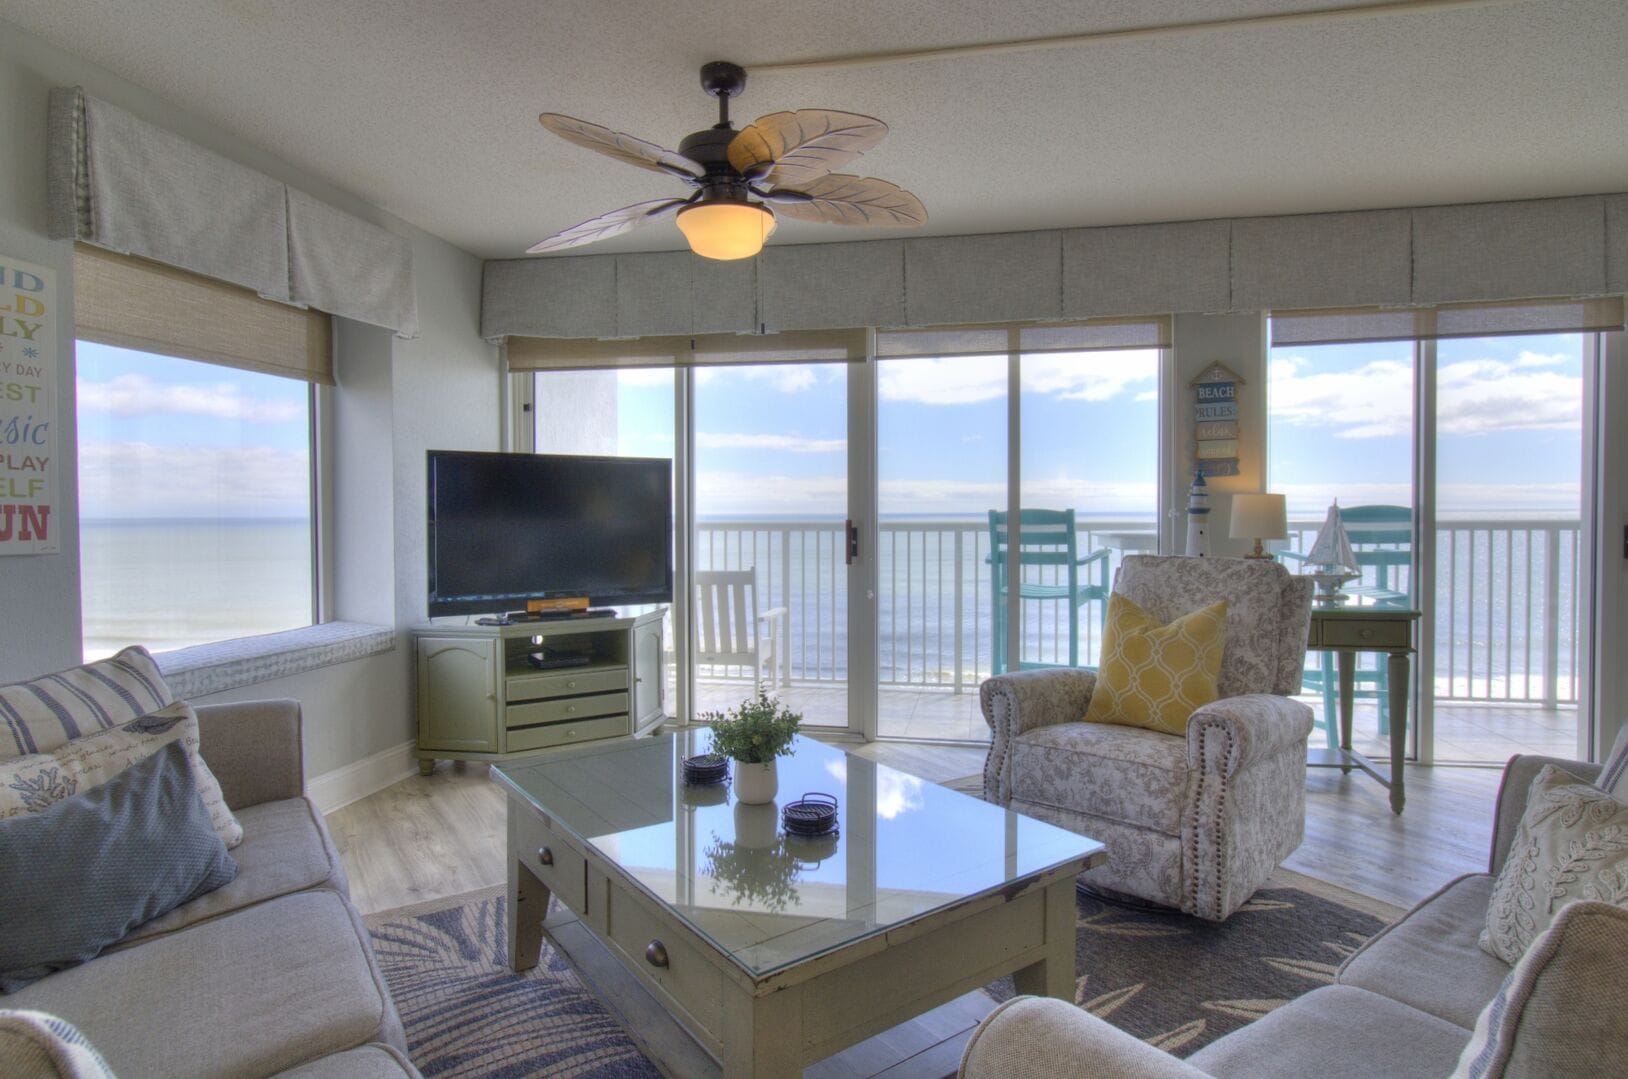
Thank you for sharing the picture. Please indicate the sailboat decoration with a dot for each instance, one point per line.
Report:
(1330, 561)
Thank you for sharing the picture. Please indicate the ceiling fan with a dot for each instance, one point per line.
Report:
(783, 159)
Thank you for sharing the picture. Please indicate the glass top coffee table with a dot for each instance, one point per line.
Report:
(776, 951)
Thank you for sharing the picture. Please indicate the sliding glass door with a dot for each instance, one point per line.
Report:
(1480, 441)
(770, 460)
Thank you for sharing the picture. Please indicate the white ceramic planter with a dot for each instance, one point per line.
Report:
(756, 826)
(756, 784)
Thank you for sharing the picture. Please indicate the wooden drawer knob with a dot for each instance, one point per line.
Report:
(1366, 634)
(545, 855)
(570, 685)
(655, 953)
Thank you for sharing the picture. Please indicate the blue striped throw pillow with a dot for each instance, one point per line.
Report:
(52, 710)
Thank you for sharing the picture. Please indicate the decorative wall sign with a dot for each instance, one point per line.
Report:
(1215, 417)
(28, 408)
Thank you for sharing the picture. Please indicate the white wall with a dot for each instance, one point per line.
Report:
(396, 399)
(1239, 341)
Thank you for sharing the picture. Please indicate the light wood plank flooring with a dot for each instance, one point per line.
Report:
(436, 836)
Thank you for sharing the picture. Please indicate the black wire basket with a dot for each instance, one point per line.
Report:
(706, 770)
(814, 814)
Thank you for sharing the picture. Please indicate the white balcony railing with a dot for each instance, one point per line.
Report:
(1507, 600)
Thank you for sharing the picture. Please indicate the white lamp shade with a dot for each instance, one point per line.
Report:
(725, 230)
(1261, 516)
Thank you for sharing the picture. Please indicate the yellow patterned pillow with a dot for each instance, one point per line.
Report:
(1153, 675)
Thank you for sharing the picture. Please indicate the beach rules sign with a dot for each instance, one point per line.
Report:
(1215, 420)
(28, 408)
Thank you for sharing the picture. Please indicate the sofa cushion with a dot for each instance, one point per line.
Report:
(78, 876)
(265, 989)
(285, 849)
(34, 1045)
(1335, 1032)
(367, 1062)
(31, 783)
(1571, 844)
(1124, 774)
(1430, 960)
(1560, 1012)
(39, 715)
(1156, 674)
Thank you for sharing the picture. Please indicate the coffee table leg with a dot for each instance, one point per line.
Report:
(528, 906)
(763, 1036)
(1053, 976)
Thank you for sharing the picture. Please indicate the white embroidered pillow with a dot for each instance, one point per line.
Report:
(34, 782)
(1572, 843)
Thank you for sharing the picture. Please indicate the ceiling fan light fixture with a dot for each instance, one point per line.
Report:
(726, 229)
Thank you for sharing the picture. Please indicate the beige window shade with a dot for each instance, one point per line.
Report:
(132, 303)
(1337, 326)
(1091, 336)
(563, 354)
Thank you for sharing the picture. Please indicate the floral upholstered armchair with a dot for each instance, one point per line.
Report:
(1195, 822)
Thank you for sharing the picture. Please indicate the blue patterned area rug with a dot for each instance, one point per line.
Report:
(1179, 983)
(467, 1014)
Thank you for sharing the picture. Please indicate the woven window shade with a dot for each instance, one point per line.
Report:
(1343, 326)
(1095, 335)
(565, 354)
(132, 303)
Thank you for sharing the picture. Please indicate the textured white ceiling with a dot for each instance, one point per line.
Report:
(429, 108)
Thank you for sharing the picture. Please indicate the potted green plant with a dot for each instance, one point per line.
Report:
(754, 734)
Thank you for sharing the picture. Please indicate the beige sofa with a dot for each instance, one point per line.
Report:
(1404, 1004)
(272, 974)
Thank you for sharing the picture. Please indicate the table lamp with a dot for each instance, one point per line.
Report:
(1259, 517)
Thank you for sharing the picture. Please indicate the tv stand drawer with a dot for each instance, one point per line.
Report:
(566, 683)
(562, 734)
(565, 708)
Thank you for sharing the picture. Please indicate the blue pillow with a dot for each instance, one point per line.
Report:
(83, 873)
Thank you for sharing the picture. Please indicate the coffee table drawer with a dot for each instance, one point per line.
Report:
(1363, 633)
(552, 859)
(664, 960)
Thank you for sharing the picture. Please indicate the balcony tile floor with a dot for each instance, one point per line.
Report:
(1465, 732)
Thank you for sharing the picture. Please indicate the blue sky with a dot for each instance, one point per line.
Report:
(772, 440)
(162, 437)
(1509, 415)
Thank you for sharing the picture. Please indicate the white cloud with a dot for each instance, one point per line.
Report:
(786, 443)
(1474, 397)
(1078, 376)
(137, 395)
(1538, 359)
(135, 479)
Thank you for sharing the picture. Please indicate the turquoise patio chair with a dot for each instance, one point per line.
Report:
(1382, 541)
(1045, 538)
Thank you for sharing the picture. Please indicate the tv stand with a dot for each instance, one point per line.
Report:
(480, 696)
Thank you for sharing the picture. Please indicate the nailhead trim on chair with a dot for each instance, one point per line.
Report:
(1194, 807)
(998, 738)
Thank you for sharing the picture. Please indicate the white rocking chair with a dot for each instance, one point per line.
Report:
(726, 636)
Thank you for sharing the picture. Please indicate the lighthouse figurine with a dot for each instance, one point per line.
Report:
(1198, 517)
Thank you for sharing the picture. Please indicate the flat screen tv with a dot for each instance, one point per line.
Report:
(505, 528)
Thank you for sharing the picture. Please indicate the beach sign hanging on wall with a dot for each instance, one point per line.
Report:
(1215, 420)
(28, 407)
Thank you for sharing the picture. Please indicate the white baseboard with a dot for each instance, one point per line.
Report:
(355, 781)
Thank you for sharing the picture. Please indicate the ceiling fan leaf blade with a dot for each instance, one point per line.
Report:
(605, 226)
(840, 199)
(794, 148)
(623, 147)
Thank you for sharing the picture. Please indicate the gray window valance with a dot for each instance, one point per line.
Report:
(119, 182)
(1413, 257)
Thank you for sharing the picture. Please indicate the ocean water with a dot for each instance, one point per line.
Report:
(178, 582)
(172, 583)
